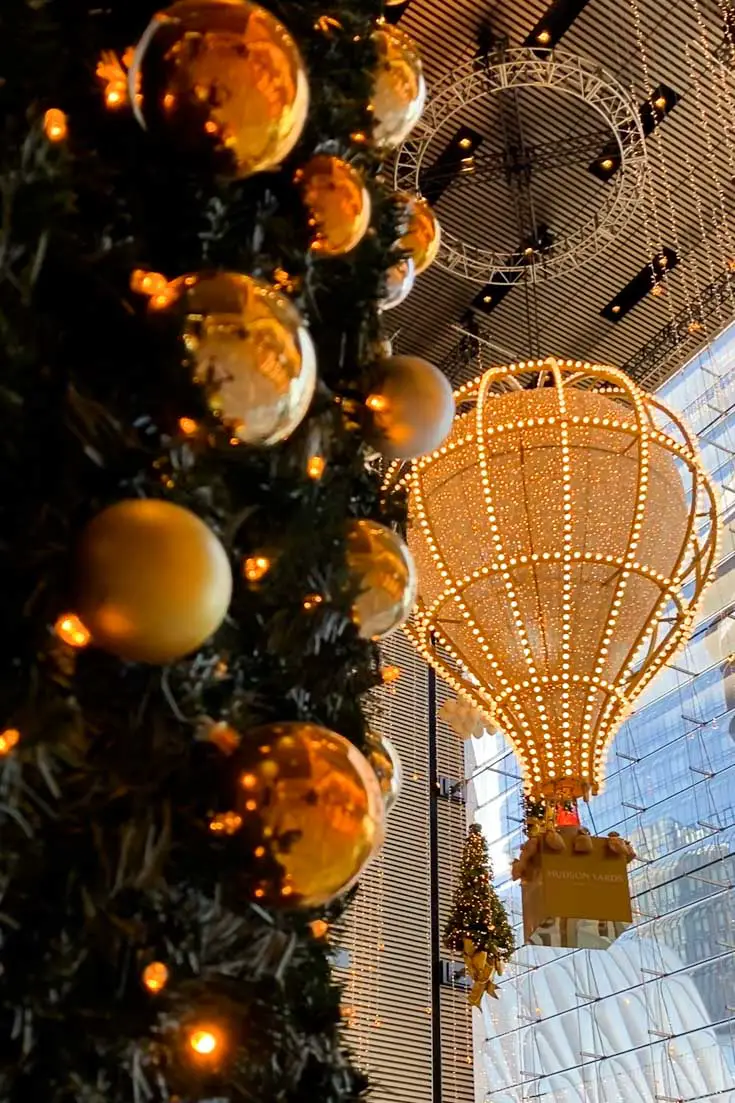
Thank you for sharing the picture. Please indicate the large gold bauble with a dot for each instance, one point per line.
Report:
(338, 203)
(251, 352)
(383, 569)
(154, 582)
(227, 74)
(399, 88)
(423, 237)
(564, 535)
(412, 408)
(386, 762)
(319, 810)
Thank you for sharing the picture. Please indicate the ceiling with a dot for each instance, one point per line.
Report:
(685, 203)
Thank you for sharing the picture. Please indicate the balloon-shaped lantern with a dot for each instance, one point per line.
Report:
(564, 535)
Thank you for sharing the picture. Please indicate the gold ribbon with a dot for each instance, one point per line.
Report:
(481, 973)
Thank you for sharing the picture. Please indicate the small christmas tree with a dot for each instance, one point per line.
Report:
(478, 926)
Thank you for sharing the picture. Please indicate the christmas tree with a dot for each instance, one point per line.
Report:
(195, 242)
(478, 926)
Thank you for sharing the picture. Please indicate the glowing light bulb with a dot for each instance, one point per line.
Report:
(8, 739)
(70, 629)
(188, 426)
(226, 823)
(311, 601)
(376, 402)
(256, 567)
(205, 1041)
(155, 976)
(55, 125)
(315, 467)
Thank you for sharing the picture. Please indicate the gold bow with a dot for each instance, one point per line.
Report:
(481, 973)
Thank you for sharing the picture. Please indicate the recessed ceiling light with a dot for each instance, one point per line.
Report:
(617, 308)
(465, 143)
(544, 37)
(607, 164)
(661, 103)
(487, 298)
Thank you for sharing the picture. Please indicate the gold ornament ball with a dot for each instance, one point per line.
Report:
(252, 353)
(399, 87)
(320, 810)
(231, 76)
(411, 408)
(154, 582)
(399, 281)
(338, 203)
(383, 569)
(423, 238)
(386, 762)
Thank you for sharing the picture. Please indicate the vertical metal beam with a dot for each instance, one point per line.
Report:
(436, 976)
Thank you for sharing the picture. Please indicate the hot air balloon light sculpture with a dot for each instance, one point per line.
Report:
(564, 536)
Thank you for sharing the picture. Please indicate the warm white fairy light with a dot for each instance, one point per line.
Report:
(552, 532)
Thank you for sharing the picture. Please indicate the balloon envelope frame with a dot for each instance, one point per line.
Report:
(564, 535)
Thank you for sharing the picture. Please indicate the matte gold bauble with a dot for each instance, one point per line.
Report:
(411, 408)
(399, 281)
(423, 238)
(154, 582)
(383, 569)
(399, 88)
(251, 352)
(224, 74)
(338, 203)
(314, 802)
(386, 762)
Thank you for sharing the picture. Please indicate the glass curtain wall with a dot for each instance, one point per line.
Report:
(652, 1020)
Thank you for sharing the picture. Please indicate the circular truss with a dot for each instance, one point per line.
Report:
(569, 74)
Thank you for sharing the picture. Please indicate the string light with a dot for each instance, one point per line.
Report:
(155, 977)
(9, 739)
(256, 567)
(206, 1041)
(55, 125)
(315, 467)
(70, 629)
(311, 601)
(377, 403)
(319, 927)
(390, 674)
(226, 823)
(188, 426)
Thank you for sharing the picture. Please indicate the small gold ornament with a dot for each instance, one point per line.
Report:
(229, 76)
(317, 806)
(338, 203)
(251, 352)
(383, 568)
(399, 281)
(154, 582)
(385, 760)
(423, 237)
(412, 408)
(399, 88)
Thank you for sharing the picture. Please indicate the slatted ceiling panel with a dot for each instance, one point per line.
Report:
(392, 909)
(568, 309)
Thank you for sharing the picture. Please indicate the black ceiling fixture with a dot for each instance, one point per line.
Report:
(652, 112)
(555, 22)
(393, 12)
(532, 249)
(641, 285)
(456, 159)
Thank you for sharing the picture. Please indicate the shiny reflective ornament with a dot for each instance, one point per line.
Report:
(412, 408)
(319, 810)
(154, 582)
(385, 760)
(399, 281)
(564, 537)
(383, 569)
(251, 352)
(399, 88)
(423, 237)
(338, 203)
(222, 74)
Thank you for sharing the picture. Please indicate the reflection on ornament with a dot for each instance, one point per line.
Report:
(399, 88)
(251, 352)
(399, 281)
(8, 739)
(385, 760)
(154, 582)
(71, 631)
(155, 977)
(223, 74)
(423, 237)
(55, 125)
(564, 536)
(412, 408)
(315, 805)
(338, 203)
(382, 568)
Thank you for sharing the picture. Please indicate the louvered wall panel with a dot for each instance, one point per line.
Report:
(389, 988)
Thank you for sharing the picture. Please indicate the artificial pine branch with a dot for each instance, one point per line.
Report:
(104, 865)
